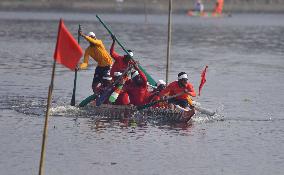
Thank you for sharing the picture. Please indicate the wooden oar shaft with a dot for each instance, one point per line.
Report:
(149, 78)
(109, 31)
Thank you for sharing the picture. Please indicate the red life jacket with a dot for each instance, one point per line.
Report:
(119, 65)
(138, 95)
(173, 89)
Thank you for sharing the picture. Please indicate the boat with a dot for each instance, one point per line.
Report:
(119, 112)
(205, 14)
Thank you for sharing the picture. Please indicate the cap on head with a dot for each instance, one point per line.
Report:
(91, 34)
(117, 74)
(161, 82)
(134, 74)
(130, 53)
(182, 75)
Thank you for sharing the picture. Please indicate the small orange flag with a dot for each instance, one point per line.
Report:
(67, 51)
(203, 80)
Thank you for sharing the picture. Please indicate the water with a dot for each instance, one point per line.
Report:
(244, 83)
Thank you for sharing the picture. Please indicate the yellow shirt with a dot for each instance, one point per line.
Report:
(98, 52)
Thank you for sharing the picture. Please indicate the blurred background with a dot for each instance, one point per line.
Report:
(139, 6)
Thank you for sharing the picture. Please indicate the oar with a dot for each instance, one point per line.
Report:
(202, 110)
(158, 101)
(75, 78)
(88, 100)
(205, 111)
(149, 78)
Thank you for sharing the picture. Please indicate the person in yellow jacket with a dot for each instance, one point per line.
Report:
(99, 53)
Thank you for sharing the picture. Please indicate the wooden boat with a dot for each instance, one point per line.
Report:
(106, 111)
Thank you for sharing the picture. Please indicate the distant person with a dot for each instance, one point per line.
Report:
(199, 7)
(180, 86)
(98, 52)
(121, 62)
(219, 7)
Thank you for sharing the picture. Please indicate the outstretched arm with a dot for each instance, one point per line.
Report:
(94, 41)
(113, 54)
(143, 76)
(84, 65)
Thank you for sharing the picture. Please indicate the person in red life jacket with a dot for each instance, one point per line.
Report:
(121, 62)
(121, 97)
(180, 86)
(137, 87)
(155, 94)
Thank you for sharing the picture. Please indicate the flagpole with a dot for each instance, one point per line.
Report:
(44, 135)
(169, 41)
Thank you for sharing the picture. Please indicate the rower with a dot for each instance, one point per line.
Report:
(105, 84)
(98, 52)
(155, 94)
(137, 87)
(121, 62)
(119, 97)
(177, 87)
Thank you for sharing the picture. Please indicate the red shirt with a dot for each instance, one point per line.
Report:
(173, 89)
(119, 65)
(122, 99)
(138, 95)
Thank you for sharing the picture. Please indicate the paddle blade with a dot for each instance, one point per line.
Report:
(87, 100)
(204, 111)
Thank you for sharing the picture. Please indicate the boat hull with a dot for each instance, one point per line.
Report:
(155, 114)
(204, 14)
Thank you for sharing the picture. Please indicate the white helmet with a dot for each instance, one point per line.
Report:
(91, 34)
(161, 82)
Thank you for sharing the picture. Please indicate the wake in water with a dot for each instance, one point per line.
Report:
(218, 116)
(35, 106)
(32, 106)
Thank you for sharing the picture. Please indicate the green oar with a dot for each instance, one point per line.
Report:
(149, 78)
(88, 100)
(75, 78)
(158, 101)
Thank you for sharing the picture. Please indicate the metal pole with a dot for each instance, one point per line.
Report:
(75, 77)
(169, 41)
(44, 135)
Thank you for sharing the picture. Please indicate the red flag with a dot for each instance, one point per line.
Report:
(67, 51)
(203, 79)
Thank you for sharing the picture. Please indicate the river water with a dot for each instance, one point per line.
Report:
(244, 85)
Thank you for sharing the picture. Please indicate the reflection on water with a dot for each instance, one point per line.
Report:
(244, 84)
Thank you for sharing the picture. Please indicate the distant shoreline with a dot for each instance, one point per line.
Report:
(136, 6)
